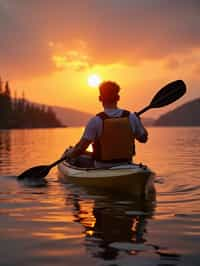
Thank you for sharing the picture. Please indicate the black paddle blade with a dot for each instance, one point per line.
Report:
(37, 172)
(168, 94)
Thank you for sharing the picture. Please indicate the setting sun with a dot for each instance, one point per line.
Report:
(94, 81)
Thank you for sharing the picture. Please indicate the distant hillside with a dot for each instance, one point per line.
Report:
(148, 121)
(71, 117)
(185, 115)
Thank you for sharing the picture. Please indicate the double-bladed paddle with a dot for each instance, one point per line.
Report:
(167, 95)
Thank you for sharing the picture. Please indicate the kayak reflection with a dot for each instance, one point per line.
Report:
(110, 218)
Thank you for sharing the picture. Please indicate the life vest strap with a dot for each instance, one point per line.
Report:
(104, 116)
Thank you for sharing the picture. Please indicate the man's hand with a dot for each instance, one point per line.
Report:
(143, 138)
(68, 153)
(78, 149)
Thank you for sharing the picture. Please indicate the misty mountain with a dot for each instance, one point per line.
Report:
(71, 117)
(148, 121)
(187, 114)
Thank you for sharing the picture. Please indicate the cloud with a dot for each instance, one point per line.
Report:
(101, 31)
(72, 60)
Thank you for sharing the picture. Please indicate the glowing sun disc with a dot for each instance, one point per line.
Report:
(94, 81)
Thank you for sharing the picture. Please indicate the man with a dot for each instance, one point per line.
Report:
(112, 132)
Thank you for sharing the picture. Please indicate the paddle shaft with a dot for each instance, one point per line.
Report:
(143, 110)
(57, 162)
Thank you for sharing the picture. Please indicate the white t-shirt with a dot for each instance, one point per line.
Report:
(94, 126)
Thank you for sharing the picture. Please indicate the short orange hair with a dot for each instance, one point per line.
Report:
(109, 91)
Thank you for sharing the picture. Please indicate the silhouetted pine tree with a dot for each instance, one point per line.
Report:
(1, 86)
(8, 103)
(6, 106)
(1, 103)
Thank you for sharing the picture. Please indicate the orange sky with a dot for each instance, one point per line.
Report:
(50, 52)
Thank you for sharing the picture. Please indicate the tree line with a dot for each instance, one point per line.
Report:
(19, 113)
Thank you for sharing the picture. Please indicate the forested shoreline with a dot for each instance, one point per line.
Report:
(17, 112)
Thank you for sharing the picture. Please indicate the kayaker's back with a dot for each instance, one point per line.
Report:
(113, 134)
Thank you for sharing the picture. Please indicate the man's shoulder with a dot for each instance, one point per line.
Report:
(94, 120)
(92, 128)
(134, 119)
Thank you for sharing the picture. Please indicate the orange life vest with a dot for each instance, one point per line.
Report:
(116, 143)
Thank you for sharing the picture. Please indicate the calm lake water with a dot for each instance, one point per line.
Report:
(62, 224)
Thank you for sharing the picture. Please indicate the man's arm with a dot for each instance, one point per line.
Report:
(87, 138)
(78, 149)
(140, 132)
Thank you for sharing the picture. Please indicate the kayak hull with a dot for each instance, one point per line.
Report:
(134, 179)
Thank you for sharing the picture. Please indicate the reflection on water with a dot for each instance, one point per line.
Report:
(5, 147)
(63, 224)
(107, 220)
(22, 149)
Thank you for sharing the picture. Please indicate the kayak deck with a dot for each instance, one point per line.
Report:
(132, 178)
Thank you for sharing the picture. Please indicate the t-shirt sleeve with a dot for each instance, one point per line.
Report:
(137, 126)
(91, 129)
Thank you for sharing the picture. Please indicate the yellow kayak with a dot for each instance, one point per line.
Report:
(136, 179)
